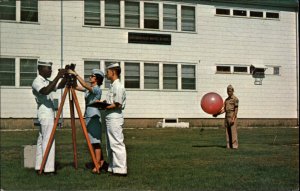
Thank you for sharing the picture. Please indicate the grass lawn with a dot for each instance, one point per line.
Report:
(165, 159)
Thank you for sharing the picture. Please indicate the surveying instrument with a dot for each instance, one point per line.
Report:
(70, 90)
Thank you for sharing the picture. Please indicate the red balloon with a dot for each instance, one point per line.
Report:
(211, 103)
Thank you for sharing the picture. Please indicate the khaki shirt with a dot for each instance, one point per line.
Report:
(230, 104)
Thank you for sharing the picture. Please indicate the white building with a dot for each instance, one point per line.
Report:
(171, 54)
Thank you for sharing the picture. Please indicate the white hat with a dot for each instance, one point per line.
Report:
(97, 71)
(113, 65)
(40, 63)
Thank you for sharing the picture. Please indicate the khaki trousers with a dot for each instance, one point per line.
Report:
(231, 133)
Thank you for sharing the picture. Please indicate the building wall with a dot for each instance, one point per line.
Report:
(217, 40)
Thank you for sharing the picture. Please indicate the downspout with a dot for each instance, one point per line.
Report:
(61, 54)
(297, 63)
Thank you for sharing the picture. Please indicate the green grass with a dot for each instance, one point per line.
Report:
(166, 159)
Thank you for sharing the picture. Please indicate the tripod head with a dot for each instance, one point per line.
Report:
(71, 79)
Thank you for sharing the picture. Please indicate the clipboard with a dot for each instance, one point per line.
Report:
(100, 105)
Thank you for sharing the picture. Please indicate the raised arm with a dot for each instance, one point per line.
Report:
(52, 85)
(81, 81)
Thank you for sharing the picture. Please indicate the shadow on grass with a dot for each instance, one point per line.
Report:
(206, 146)
(61, 165)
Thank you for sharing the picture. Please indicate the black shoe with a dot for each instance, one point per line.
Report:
(104, 166)
(50, 173)
(89, 165)
(118, 174)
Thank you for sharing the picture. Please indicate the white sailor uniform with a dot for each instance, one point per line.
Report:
(116, 149)
(45, 115)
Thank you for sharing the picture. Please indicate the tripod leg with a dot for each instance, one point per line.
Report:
(83, 126)
(71, 102)
(53, 130)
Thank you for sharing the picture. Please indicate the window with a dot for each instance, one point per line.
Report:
(132, 75)
(256, 14)
(92, 12)
(7, 72)
(187, 18)
(272, 15)
(240, 13)
(223, 69)
(276, 70)
(220, 11)
(151, 76)
(240, 69)
(170, 17)
(151, 17)
(29, 10)
(8, 10)
(112, 13)
(132, 14)
(88, 67)
(188, 80)
(28, 71)
(170, 76)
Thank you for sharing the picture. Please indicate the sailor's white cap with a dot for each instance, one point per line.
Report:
(97, 71)
(40, 63)
(113, 65)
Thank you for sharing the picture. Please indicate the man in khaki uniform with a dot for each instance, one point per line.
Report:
(230, 109)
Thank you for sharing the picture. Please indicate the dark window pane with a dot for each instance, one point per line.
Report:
(151, 76)
(29, 10)
(7, 72)
(151, 19)
(240, 12)
(256, 14)
(88, 67)
(170, 17)
(28, 71)
(188, 18)
(132, 14)
(92, 12)
(272, 15)
(240, 69)
(132, 75)
(225, 69)
(223, 11)
(8, 10)
(276, 71)
(170, 76)
(188, 75)
(112, 13)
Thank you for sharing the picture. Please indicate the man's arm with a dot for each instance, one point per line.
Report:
(52, 85)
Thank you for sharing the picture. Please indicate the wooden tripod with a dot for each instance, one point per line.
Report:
(72, 100)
